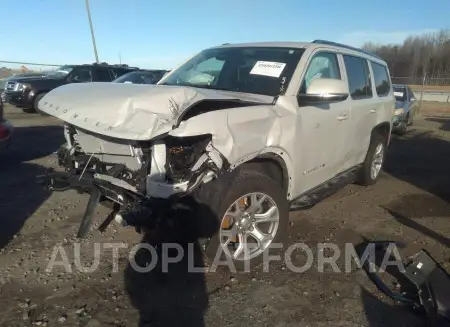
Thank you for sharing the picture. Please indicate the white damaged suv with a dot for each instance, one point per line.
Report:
(237, 136)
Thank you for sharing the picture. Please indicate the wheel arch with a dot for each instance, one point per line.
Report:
(383, 129)
(35, 96)
(276, 164)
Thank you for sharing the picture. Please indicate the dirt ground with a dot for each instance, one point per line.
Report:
(410, 204)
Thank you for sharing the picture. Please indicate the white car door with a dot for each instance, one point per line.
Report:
(364, 106)
(322, 129)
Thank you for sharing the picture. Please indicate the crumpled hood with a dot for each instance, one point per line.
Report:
(130, 111)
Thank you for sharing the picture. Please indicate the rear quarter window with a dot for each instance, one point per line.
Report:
(381, 78)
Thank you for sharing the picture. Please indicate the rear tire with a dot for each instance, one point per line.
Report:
(374, 161)
(28, 110)
(402, 129)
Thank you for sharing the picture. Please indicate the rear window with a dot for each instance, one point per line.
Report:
(381, 77)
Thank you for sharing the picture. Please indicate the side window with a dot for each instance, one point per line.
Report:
(102, 74)
(359, 84)
(381, 77)
(322, 65)
(81, 75)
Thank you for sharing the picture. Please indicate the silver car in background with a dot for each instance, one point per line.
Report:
(405, 108)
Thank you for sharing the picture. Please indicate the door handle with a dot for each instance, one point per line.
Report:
(342, 117)
(372, 111)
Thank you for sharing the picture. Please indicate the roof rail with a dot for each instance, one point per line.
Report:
(336, 44)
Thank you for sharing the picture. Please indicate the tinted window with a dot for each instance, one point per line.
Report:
(381, 77)
(322, 65)
(102, 74)
(81, 74)
(259, 70)
(358, 77)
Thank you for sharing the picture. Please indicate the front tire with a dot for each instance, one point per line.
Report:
(36, 102)
(374, 161)
(253, 214)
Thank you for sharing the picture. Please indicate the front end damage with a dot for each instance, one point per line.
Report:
(141, 148)
(139, 179)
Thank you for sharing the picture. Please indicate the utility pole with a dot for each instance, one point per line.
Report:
(120, 58)
(92, 30)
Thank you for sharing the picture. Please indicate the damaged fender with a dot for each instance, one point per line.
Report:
(242, 134)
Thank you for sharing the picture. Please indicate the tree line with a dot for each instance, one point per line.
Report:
(418, 55)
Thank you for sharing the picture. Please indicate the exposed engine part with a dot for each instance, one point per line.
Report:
(182, 155)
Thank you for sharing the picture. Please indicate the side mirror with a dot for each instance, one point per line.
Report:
(325, 90)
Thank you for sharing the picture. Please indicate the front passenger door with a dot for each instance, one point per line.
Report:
(323, 128)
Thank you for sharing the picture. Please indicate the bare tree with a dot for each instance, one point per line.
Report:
(418, 55)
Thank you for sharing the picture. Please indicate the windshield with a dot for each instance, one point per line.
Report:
(140, 78)
(400, 93)
(60, 72)
(259, 70)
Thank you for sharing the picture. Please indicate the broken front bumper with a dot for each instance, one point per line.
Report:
(132, 208)
(137, 200)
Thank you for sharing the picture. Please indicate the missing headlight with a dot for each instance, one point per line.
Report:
(182, 154)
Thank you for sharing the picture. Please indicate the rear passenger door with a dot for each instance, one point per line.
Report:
(363, 107)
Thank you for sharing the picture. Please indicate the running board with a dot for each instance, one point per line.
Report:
(324, 190)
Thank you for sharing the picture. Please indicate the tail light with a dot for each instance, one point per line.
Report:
(1, 110)
(4, 132)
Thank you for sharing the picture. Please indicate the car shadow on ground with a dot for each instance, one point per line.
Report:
(408, 222)
(409, 159)
(170, 288)
(443, 120)
(382, 313)
(20, 195)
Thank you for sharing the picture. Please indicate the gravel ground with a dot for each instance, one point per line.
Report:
(410, 203)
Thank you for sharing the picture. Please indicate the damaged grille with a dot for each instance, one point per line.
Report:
(89, 153)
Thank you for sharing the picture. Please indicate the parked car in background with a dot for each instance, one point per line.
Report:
(6, 130)
(141, 77)
(25, 93)
(234, 138)
(9, 82)
(405, 108)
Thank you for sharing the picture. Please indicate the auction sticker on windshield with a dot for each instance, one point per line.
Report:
(268, 68)
(398, 94)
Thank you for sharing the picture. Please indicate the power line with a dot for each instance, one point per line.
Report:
(27, 63)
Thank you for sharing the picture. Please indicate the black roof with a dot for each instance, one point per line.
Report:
(104, 64)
